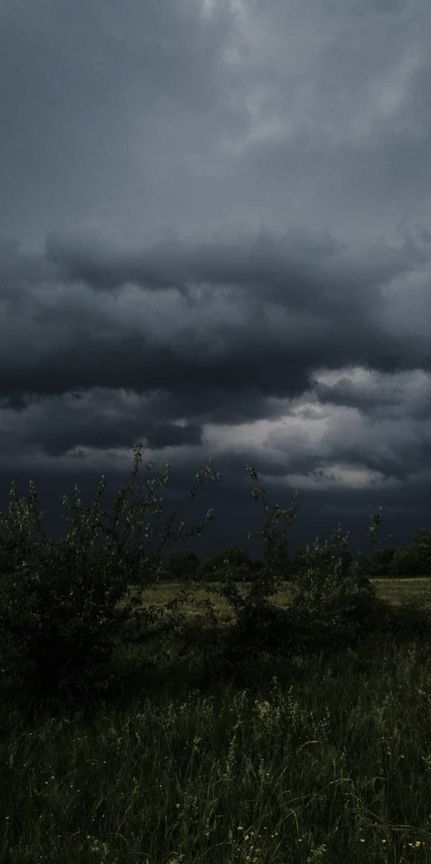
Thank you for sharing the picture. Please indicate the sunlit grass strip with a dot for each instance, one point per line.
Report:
(191, 597)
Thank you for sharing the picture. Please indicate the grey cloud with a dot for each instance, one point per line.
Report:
(258, 263)
(207, 205)
(403, 394)
(85, 92)
(98, 419)
(174, 435)
(128, 119)
(258, 316)
(57, 424)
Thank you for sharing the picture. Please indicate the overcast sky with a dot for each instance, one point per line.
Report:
(215, 239)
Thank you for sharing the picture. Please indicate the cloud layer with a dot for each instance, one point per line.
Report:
(216, 240)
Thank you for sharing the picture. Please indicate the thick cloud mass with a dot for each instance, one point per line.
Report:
(215, 238)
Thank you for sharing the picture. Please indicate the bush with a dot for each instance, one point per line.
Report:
(410, 620)
(243, 566)
(333, 601)
(63, 602)
(252, 610)
(179, 567)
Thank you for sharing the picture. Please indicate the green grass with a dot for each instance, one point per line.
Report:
(397, 590)
(332, 764)
(192, 596)
(320, 759)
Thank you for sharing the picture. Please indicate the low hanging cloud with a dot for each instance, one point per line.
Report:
(215, 239)
(269, 347)
(253, 317)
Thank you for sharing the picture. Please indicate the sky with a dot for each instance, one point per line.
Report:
(215, 239)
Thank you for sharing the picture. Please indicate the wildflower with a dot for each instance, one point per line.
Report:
(418, 843)
(362, 839)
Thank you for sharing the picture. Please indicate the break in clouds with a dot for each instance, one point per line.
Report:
(216, 241)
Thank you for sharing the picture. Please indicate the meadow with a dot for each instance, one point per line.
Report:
(192, 597)
(324, 758)
(227, 722)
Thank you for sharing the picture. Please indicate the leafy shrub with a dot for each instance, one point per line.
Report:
(63, 602)
(333, 601)
(410, 620)
(243, 566)
(179, 567)
(400, 561)
(254, 614)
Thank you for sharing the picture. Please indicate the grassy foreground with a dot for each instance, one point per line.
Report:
(325, 759)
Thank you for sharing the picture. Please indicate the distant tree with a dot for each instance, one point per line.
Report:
(379, 562)
(422, 548)
(179, 567)
(401, 561)
(4, 556)
(239, 560)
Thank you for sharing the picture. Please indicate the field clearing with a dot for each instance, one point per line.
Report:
(192, 597)
(331, 765)
(397, 590)
(321, 758)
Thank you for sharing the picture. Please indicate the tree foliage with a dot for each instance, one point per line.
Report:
(62, 601)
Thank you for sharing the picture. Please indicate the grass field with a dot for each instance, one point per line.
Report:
(396, 590)
(193, 596)
(322, 759)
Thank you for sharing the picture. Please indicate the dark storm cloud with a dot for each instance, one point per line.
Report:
(299, 268)
(263, 264)
(173, 435)
(381, 395)
(96, 419)
(127, 118)
(210, 208)
(253, 318)
(20, 270)
(86, 90)
(120, 433)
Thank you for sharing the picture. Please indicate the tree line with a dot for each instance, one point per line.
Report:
(384, 561)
